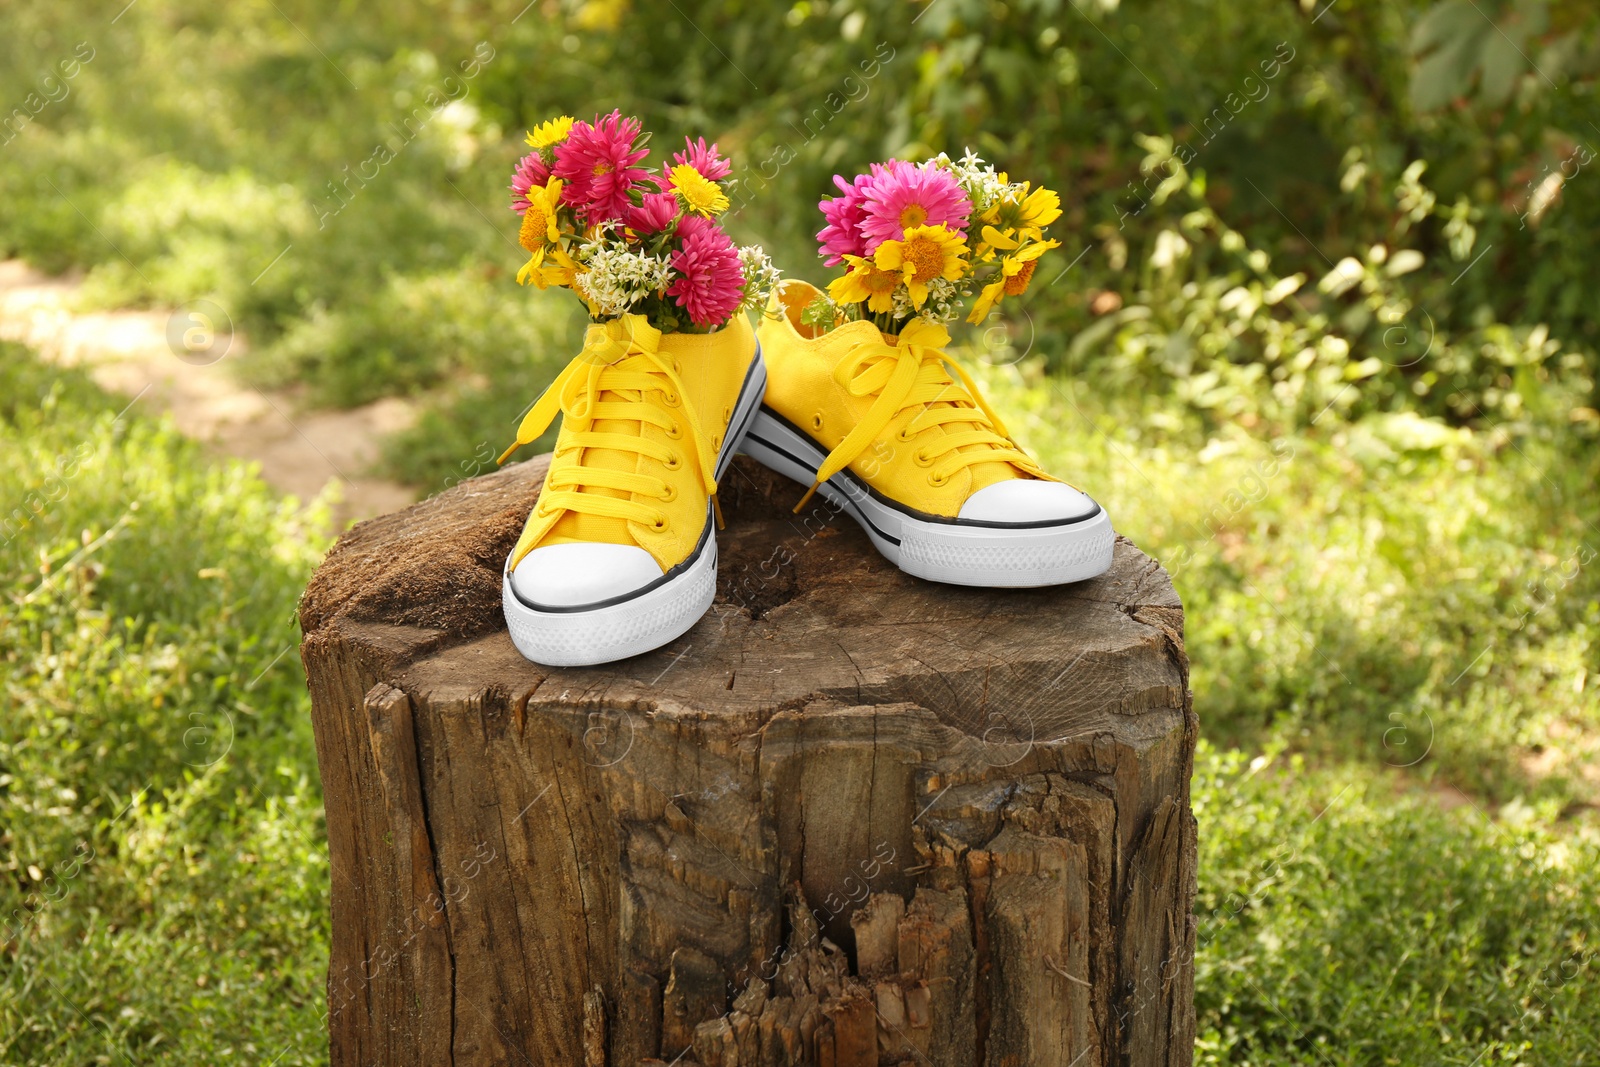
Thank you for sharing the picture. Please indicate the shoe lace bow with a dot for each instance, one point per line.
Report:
(918, 374)
(620, 375)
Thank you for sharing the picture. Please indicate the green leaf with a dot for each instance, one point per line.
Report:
(1404, 261)
(1458, 41)
(1444, 75)
(1501, 65)
(1446, 22)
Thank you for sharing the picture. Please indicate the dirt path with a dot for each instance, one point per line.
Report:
(128, 352)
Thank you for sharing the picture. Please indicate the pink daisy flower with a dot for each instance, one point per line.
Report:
(842, 235)
(531, 171)
(711, 282)
(902, 195)
(597, 163)
(703, 159)
(654, 214)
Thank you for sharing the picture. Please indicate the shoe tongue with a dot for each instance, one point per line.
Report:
(856, 332)
(575, 526)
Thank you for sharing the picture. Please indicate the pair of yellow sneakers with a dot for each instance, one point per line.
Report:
(619, 556)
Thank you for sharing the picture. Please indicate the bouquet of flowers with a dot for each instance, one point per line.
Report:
(626, 239)
(918, 239)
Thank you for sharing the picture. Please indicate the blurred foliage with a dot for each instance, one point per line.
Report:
(163, 867)
(1320, 335)
(325, 173)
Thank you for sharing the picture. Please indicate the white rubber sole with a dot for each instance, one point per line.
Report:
(605, 633)
(964, 553)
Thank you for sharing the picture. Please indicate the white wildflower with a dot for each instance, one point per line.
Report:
(979, 180)
(942, 306)
(760, 277)
(615, 278)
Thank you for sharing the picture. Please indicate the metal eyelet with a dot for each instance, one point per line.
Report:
(920, 460)
(937, 480)
(673, 462)
(671, 494)
(660, 524)
(903, 437)
(716, 443)
(727, 416)
(675, 431)
(673, 400)
(816, 421)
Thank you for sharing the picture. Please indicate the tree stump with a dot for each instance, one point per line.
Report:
(851, 818)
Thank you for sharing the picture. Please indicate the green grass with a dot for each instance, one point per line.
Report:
(164, 896)
(1341, 924)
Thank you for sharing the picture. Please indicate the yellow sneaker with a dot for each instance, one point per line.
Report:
(879, 427)
(619, 555)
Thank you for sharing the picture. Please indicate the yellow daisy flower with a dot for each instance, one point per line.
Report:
(550, 134)
(990, 240)
(1024, 215)
(987, 299)
(561, 269)
(698, 193)
(541, 227)
(1016, 271)
(557, 268)
(928, 252)
(995, 239)
(864, 281)
(541, 222)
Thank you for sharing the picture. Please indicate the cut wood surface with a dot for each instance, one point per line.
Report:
(851, 818)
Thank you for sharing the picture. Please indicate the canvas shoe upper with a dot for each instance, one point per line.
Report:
(892, 429)
(618, 556)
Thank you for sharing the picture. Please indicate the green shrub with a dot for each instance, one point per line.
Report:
(228, 152)
(407, 334)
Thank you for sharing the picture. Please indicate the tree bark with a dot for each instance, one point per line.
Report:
(851, 818)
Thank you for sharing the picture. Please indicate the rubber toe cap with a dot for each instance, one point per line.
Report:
(1027, 500)
(577, 575)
